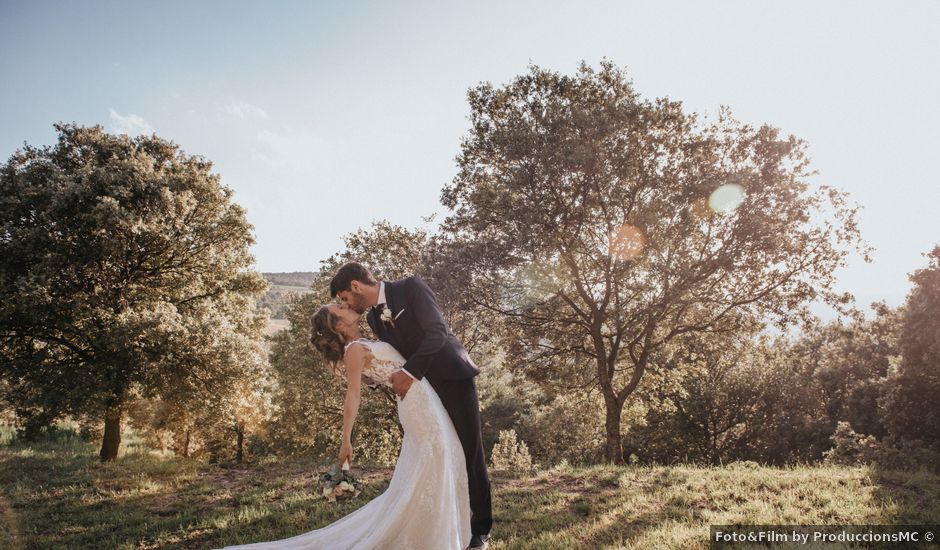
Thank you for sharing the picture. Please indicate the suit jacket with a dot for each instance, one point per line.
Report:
(420, 333)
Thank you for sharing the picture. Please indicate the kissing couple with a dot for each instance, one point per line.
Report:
(439, 494)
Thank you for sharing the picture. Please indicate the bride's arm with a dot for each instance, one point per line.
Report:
(353, 360)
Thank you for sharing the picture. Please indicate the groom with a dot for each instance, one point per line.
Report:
(404, 313)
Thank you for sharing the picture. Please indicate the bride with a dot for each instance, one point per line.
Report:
(427, 503)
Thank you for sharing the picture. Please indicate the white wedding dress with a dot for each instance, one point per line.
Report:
(427, 502)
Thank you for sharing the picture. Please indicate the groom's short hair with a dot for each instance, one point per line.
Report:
(351, 271)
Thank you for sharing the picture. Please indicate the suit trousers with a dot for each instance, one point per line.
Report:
(460, 400)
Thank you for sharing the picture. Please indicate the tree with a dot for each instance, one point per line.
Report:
(733, 397)
(124, 270)
(707, 413)
(156, 421)
(225, 423)
(911, 407)
(598, 224)
(542, 418)
(7, 414)
(851, 364)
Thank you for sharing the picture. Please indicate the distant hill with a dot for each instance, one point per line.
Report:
(283, 286)
(294, 278)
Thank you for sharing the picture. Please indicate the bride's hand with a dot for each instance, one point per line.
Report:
(345, 453)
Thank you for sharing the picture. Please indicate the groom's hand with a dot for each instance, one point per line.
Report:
(401, 382)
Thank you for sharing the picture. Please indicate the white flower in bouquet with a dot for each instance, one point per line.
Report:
(339, 483)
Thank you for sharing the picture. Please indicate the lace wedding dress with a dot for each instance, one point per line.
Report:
(427, 503)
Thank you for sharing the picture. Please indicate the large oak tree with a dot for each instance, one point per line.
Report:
(588, 219)
(124, 271)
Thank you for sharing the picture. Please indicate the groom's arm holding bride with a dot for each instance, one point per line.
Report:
(420, 300)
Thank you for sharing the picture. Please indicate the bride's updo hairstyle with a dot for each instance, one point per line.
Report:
(324, 337)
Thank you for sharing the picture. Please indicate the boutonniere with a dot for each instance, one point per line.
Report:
(387, 316)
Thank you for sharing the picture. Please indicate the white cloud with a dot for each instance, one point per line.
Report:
(244, 110)
(131, 124)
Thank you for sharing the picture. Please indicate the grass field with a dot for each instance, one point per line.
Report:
(56, 495)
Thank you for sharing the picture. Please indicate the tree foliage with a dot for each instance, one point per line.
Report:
(737, 397)
(582, 213)
(912, 409)
(124, 269)
(850, 362)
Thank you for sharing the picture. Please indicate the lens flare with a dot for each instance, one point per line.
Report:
(627, 243)
(726, 198)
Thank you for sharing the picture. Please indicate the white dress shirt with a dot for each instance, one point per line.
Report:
(381, 293)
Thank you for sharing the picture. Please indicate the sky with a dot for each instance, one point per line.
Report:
(323, 117)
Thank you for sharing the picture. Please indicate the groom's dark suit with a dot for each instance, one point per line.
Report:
(431, 351)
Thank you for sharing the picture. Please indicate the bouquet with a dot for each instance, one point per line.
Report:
(339, 483)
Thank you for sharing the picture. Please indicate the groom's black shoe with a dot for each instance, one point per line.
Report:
(479, 542)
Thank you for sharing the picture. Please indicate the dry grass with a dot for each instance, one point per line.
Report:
(56, 495)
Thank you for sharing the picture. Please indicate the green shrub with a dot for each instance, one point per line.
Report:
(852, 448)
(510, 454)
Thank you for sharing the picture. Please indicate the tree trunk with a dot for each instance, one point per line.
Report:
(112, 435)
(186, 445)
(614, 439)
(613, 404)
(238, 452)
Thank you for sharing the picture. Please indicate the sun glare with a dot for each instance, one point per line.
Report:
(627, 243)
(726, 198)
